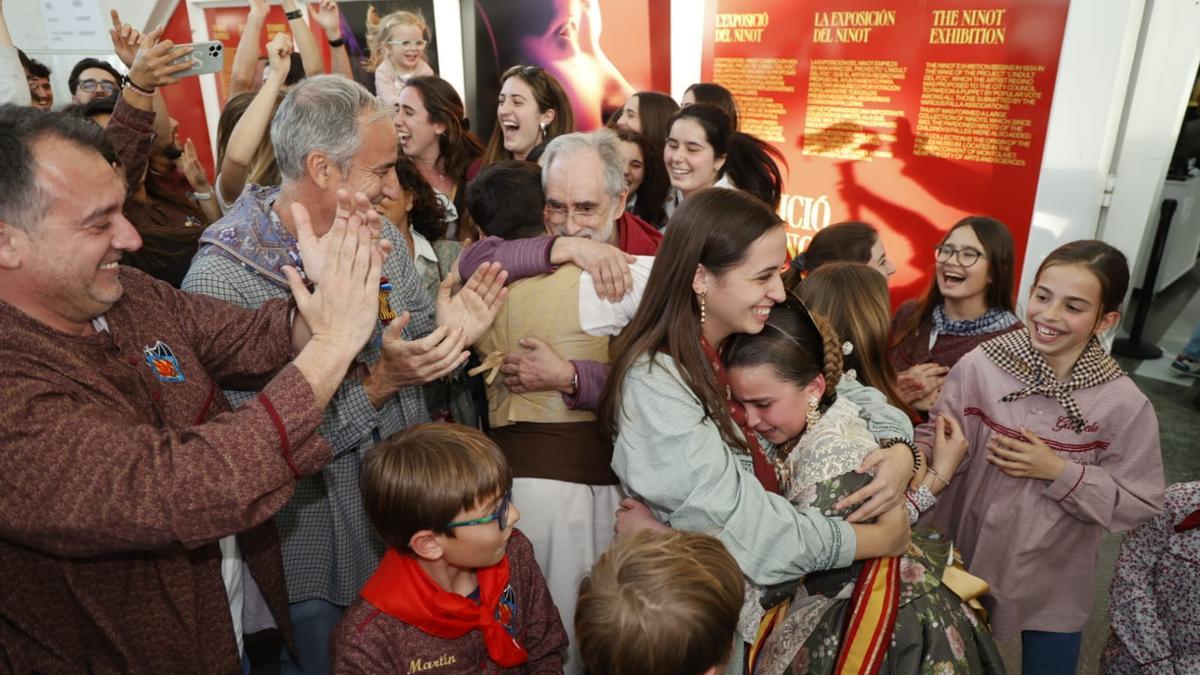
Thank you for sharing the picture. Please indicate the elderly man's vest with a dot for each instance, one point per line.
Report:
(541, 436)
(546, 308)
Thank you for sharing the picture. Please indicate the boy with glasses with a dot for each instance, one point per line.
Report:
(458, 589)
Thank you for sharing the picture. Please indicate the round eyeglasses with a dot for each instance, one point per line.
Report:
(586, 215)
(500, 515)
(90, 86)
(964, 256)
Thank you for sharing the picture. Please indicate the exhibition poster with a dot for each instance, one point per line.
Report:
(905, 114)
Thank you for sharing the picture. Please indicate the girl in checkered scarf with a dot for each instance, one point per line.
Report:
(1062, 448)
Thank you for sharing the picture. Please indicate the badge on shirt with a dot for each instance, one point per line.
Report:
(163, 363)
(386, 313)
(506, 610)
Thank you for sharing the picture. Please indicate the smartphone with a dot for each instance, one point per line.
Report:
(205, 57)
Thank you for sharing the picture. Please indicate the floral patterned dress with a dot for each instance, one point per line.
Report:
(935, 631)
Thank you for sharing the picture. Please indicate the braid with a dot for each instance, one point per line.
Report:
(832, 368)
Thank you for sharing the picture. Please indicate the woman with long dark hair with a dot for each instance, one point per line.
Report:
(682, 444)
(969, 302)
(712, 94)
(646, 178)
(434, 132)
(649, 114)
(531, 109)
(703, 151)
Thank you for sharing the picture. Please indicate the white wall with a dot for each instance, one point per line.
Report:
(1165, 71)
(687, 44)
(26, 22)
(1094, 67)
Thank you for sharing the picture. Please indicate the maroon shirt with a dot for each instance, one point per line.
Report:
(368, 641)
(948, 349)
(115, 485)
(637, 237)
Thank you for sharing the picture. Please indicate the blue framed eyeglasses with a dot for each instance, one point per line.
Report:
(500, 516)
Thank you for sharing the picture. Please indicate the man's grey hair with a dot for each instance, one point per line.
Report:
(325, 114)
(603, 142)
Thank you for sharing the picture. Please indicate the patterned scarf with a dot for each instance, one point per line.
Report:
(250, 234)
(993, 321)
(1014, 354)
(401, 589)
(763, 470)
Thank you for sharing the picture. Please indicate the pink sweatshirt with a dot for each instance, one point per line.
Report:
(1035, 541)
(388, 82)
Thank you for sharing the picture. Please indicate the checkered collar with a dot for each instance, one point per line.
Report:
(1014, 354)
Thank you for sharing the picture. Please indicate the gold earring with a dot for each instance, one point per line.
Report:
(813, 415)
(703, 313)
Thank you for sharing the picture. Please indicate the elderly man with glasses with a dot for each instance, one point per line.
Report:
(583, 178)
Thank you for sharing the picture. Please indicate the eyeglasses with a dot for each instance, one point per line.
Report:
(586, 215)
(965, 256)
(90, 86)
(407, 44)
(500, 516)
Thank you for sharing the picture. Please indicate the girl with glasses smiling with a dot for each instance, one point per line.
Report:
(398, 53)
(970, 301)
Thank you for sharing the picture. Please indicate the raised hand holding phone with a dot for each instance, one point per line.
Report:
(156, 63)
(203, 58)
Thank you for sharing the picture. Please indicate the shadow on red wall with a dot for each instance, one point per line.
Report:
(183, 99)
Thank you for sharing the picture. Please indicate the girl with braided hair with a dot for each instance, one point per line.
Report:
(681, 443)
(786, 377)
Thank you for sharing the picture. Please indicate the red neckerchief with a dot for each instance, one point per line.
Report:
(401, 589)
(1190, 522)
(763, 470)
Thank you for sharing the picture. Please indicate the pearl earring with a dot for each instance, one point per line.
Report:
(703, 312)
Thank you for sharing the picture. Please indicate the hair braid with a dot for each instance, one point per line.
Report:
(832, 368)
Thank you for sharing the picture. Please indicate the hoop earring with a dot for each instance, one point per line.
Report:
(813, 415)
(703, 309)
